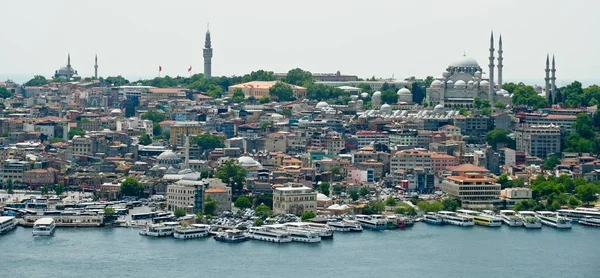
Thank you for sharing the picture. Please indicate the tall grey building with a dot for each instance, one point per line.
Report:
(208, 53)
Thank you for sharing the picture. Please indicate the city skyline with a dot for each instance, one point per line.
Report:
(366, 42)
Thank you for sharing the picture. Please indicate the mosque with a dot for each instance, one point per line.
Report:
(67, 72)
(464, 80)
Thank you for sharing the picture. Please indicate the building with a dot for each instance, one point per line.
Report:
(411, 159)
(182, 129)
(14, 170)
(476, 126)
(368, 137)
(294, 198)
(325, 77)
(538, 140)
(40, 177)
(259, 89)
(67, 72)
(469, 184)
(441, 162)
(191, 194)
(84, 145)
(564, 121)
(207, 54)
(511, 196)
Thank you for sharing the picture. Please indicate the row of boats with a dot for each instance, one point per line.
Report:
(42, 227)
(561, 219)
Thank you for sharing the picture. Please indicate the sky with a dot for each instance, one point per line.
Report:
(365, 38)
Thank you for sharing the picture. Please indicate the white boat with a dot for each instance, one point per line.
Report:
(160, 230)
(345, 225)
(529, 220)
(193, 231)
(7, 223)
(233, 235)
(579, 213)
(450, 217)
(432, 218)
(268, 234)
(323, 230)
(553, 220)
(298, 234)
(510, 218)
(44, 227)
(372, 222)
(481, 218)
(590, 221)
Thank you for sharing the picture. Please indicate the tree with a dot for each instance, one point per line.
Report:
(573, 202)
(210, 206)
(299, 77)
(499, 136)
(264, 199)
(390, 201)
(503, 181)
(233, 175)
(587, 192)
(215, 91)
(551, 162)
(526, 95)
(9, 186)
(76, 131)
(480, 104)
(5, 93)
(116, 80)
(525, 205)
(282, 91)
(179, 212)
(262, 211)
(373, 207)
(108, 211)
(59, 189)
(463, 112)
(323, 188)
(430, 206)
(307, 215)
(145, 139)
(264, 99)
(37, 80)
(583, 126)
(354, 195)
(337, 189)
(364, 191)
(44, 190)
(156, 129)
(499, 105)
(451, 204)
(208, 142)
(131, 187)
(154, 115)
(238, 96)
(243, 202)
(405, 211)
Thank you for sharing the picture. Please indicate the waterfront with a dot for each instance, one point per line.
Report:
(420, 251)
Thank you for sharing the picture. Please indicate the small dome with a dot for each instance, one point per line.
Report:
(322, 197)
(450, 82)
(470, 82)
(436, 83)
(276, 116)
(460, 83)
(166, 155)
(386, 108)
(246, 161)
(191, 176)
(404, 91)
(378, 93)
(439, 108)
(116, 111)
(484, 83)
(364, 95)
(321, 105)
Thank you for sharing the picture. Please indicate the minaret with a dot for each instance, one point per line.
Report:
(208, 53)
(500, 63)
(187, 152)
(96, 68)
(69, 61)
(491, 73)
(547, 79)
(553, 78)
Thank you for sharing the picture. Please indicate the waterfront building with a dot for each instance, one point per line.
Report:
(294, 198)
(538, 140)
(511, 196)
(469, 184)
(40, 177)
(14, 170)
(259, 89)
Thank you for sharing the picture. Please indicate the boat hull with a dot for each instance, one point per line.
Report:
(589, 224)
(230, 240)
(190, 236)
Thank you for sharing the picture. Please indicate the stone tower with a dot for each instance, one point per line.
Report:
(208, 54)
(491, 73)
(500, 66)
(69, 60)
(96, 67)
(547, 80)
(553, 78)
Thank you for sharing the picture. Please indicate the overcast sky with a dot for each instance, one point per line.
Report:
(365, 38)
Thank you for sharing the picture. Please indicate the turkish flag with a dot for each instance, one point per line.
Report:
(159, 68)
(190, 69)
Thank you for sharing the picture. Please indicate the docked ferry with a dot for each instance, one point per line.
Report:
(432, 218)
(589, 221)
(480, 218)
(268, 234)
(7, 223)
(233, 235)
(529, 220)
(44, 227)
(160, 230)
(553, 220)
(579, 213)
(323, 230)
(193, 231)
(345, 225)
(372, 222)
(510, 218)
(450, 217)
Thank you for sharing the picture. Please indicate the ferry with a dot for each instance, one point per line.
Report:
(590, 221)
(44, 227)
(160, 230)
(7, 223)
(450, 217)
(298, 234)
(510, 218)
(553, 220)
(268, 234)
(233, 235)
(193, 231)
(372, 222)
(432, 218)
(345, 225)
(579, 213)
(323, 230)
(529, 220)
(481, 219)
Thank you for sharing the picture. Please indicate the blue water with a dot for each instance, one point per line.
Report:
(420, 251)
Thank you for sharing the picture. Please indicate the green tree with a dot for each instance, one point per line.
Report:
(587, 192)
(233, 175)
(154, 115)
(390, 201)
(116, 80)
(208, 142)
(551, 162)
(76, 131)
(480, 104)
(238, 96)
(44, 190)
(583, 126)
(526, 205)
(573, 202)
(9, 186)
(131, 187)
(405, 211)
(323, 188)
(262, 211)
(486, 111)
(337, 189)
(499, 136)
(503, 181)
(282, 91)
(156, 129)
(210, 206)
(526, 95)
(364, 191)
(179, 212)
(299, 77)
(108, 211)
(264, 99)
(499, 105)
(37, 80)
(259, 75)
(59, 189)
(145, 139)
(215, 91)
(430, 206)
(243, 202)
(5, 93)
(354, 195)
(373, 207)
(463, 112)
(451, 204)
(308, 215)
(264, 199)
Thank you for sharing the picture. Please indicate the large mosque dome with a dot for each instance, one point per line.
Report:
(168, 158)
(465, 61)
(404, 91)
(246, 161)
(321, 105)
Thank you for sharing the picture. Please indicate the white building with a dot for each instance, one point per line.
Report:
(294, 198)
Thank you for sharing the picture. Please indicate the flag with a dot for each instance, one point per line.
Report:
(190, 69)
(159, 68)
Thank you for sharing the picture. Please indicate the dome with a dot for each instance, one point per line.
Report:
(460, 83)
(386, 108)
(247, 161)
(322, 197)
(191, 177)
(450, 82)
(364, 95)
(484, 83)
(276, 116)
(321, 104)
(378, 93)
(404, 91)
(470, 82)
(168, 155)
(439, 108)
(115, 111)
(465, 61)
(436, 83)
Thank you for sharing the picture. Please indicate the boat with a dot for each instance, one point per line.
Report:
(579, 213)
(510, 218)
(590, 221)
(193, 231)
(432, 218)
(233, 235)
(450, 217)
(323, 230)
(394, 222)
(160, 230)
(480, 218)
(529, 220)
(345, 225)
(553, 220)
(268, 234)
(44, 227)
(372, 222)
(298, 234)
(7, 223)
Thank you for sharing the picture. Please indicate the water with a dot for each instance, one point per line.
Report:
(420, 251)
